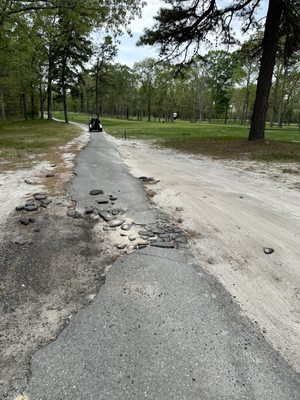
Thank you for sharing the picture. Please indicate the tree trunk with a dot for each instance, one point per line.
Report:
(275, 96)
(49, 99)
(264, 81)
(49, 85)
(281, 100)
(42, 101)
(246, 99)
(32, 101)
(149, 108)
(210, 110)
(2, 104)
(64, 98)
(226, 114)
(97, 90)
(24, 105)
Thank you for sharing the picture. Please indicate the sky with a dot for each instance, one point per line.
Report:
(129, 53)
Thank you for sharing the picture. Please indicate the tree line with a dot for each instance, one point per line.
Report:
(48, 59)
(220, 85)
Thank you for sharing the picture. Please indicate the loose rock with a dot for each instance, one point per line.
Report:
(167, 245)
(103, 200)
(115, 222)
(30, 207)
(106, 215)
(108, 229)
(21, 241)
(268, 250)
(46, 202)
(24, 221)
(146, 233)
(126, 227)
(121, 246)
(94, 192)
(40, 196)
(132, 238)
(73, 214)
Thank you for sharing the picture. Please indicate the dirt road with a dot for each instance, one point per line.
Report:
(233, 211)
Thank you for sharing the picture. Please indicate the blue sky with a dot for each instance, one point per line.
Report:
(129, 53)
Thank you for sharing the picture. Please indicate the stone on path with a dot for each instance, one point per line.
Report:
(73, 214)
(167, 245)
(103, 200)
(31, 207)
(126, 227)
(106, 215)
(40, 196)
(115, 222)
(121, 246)
(95, 192)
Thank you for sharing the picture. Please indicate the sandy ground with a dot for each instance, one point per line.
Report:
(19, 182)
(233, 210)
(50, 268)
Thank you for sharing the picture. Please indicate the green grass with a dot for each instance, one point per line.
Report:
(18, 138)
(216, 139)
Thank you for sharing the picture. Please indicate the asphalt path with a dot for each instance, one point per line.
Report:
(161, 327)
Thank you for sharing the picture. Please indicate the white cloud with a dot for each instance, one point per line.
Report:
(148, 12)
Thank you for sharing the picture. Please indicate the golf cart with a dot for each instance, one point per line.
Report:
(95, 125)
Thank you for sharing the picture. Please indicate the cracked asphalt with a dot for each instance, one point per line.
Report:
(160, 327)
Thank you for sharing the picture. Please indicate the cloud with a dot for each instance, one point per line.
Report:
(148, 12)
(129, 53)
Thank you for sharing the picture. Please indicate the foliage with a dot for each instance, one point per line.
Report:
(183, 26)
(59, 47)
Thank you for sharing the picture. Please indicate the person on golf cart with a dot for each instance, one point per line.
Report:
(95, 125)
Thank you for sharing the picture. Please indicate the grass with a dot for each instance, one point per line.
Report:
(215, 139)
(39, 136)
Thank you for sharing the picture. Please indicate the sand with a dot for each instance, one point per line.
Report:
(232, 211)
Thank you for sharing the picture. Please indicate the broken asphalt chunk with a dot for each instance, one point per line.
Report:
(46, 202)
(73, 214)
(95, 192)
(31, 207)
(103, 200)
(166, 245)
(106, 215)
(40, 196)
(24, 221)
(121, 246)
(115, 222)
(126, 227)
